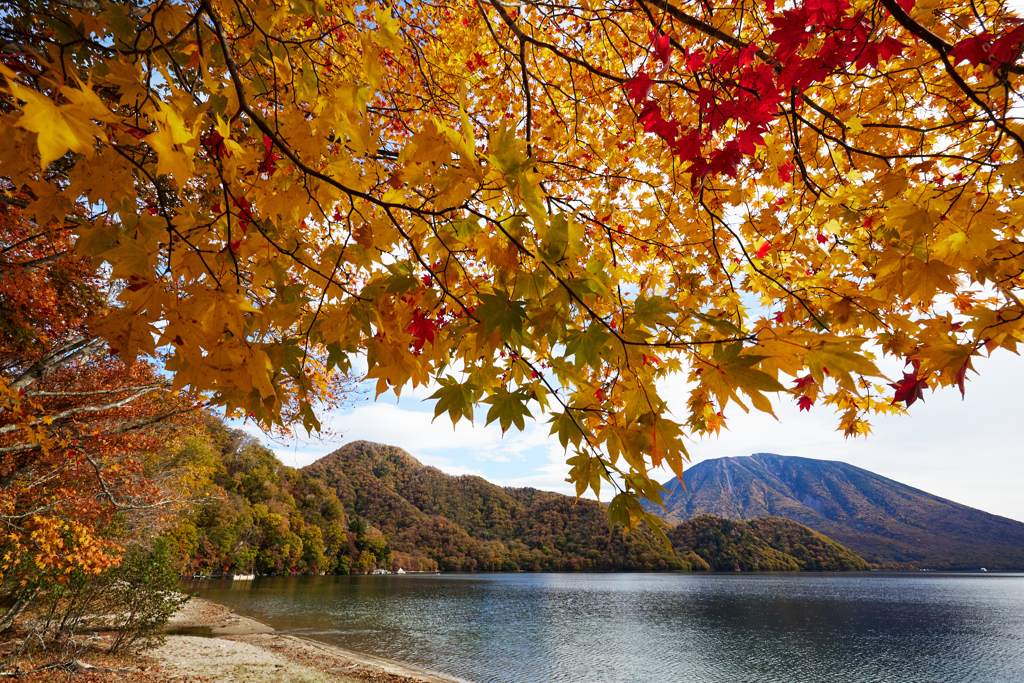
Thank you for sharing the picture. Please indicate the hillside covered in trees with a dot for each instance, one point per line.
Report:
(370, 506)
(767, 544)
(264, 517)
(434, 520)
(349, 513)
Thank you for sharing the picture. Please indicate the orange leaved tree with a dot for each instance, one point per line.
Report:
(75, 422)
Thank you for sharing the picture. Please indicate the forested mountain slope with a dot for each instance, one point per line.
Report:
(886, 522)
(262, 516)
(468, 524)
(370, 506)
(766, 544)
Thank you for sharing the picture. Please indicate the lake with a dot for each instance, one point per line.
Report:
(678, 628)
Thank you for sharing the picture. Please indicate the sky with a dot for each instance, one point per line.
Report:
(967, 450)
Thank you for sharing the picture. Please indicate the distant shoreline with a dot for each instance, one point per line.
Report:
(874, 569)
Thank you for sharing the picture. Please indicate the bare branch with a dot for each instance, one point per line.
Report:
(119, 390)
(86, 409)
(56, 359)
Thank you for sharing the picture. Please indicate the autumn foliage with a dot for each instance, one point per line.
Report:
(80, 432)
(545, 209)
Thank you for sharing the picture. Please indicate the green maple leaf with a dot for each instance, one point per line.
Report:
(738, 366)
(568, 430)
(508, 407)
(455, 398)
(499, 312)
(587, 346)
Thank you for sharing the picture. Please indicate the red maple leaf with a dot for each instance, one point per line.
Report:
(871, 53)
(802, 382)
(726, 160)
(748, 140)
(765, 248)
(868, 56)
(961, 377)
(790, 35)
(974, 49)
(661, 47)
(824, 11)
(654, 122)
(423, 329)
(245, 216)
(215, 142)
(269, 156)
(1006, 48)
(805, 403)
(688, 146)
(889, 47)
(910, 388)
(638, 87)
(694, 61)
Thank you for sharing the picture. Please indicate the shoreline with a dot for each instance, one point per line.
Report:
(209, 641)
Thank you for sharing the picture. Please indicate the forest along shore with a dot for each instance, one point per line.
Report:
(209, 642)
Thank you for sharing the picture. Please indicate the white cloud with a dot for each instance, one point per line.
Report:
(548, 477)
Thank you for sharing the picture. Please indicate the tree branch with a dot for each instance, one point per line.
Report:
(57, 358)
(919, 31)
(123, 429)
(33, 394)
(30, 265)
(140, 392)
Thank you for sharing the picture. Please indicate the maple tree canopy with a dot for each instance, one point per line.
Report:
(540, 207)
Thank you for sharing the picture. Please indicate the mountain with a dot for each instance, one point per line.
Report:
(886, 522)
(369, 506)
(434, 520)
(766, 544)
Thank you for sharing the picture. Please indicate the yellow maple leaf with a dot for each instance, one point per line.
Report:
(58, 128)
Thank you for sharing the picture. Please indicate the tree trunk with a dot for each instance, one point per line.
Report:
(7, 619)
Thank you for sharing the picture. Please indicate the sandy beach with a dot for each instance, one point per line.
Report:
(208, 643)
(236, 649)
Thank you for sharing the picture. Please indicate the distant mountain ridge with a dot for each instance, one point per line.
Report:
(886, 522)
(465, 523)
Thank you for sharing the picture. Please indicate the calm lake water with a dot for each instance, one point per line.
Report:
(678, 628)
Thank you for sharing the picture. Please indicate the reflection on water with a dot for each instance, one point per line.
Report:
(513, 628)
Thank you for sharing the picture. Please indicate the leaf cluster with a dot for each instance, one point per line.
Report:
(542, 210)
